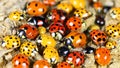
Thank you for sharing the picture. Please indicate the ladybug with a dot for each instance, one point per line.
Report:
(100, 21)
(65, 7)
(20, 61)
(93, 27)
(42, 30)
(11, 41)
(57, 35)
(75, 39)
(98, 6)
(78, 3)
(41, 64)
(16, 16)
(74, 23)
(46, 40)
(76, 58)
(38, 21)
(111, 44)
(28, 31)
(106, 9)
(63, 65)
(82, 13)
(51, 55)
(113, 31)
(29, 49)
(49, 2)
(54, 27)
(114, 13)
(56, 15)
(63, 51)
(89, 50)
(98, 37)
(102, 56)
(36, 8)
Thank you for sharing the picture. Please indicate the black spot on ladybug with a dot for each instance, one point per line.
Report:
(51, 51)
(42, 10)
(118, 29)
(33, 11)
(33, 28)
(56, 24)
(75, 28)
(28, 53)
(73, 24)
(12, 45)
(22, 57)
(28, 44)
(77, 10)
(114, 35)
(25, 28)
(19, 57)
(10, 37)
(115, 30)
(81, 54)
(93, 32)
(103, 39)
(96, 35)
(80, 37)
(29, 4)
(99, 34)
(36, 4)
(103, 34)
(99, 39)
(65, 64)
(74, 20)
(15, 37)
(61, 65)
(74, 54)
(79, 22)
(72, 37)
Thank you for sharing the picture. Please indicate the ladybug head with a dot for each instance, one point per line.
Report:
(22, 34)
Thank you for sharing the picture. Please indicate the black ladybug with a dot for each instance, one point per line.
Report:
(63, 51)
(38, 21)
(88, 50)
(100, 20)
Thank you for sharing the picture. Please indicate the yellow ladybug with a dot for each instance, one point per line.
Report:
(115, 13)
(16, 16)
(51, 55)
(65, 7)
(78, 3)
(42, 30)
(113, 31)
(111, 44)
(46, 40)
(28, 49)
(82, 13)
(11, 41)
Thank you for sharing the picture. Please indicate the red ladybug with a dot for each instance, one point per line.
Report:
(76, 58)
(28, 31)
(20, 61)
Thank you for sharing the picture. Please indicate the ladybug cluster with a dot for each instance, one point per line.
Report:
(52, 35)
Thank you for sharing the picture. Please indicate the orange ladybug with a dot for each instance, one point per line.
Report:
(36, 8)
(102, 56)
(49, 2)
(98, 37)
(75, 39)
(41, 64)
(20, 61)
(74, 23)
(63, 65)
